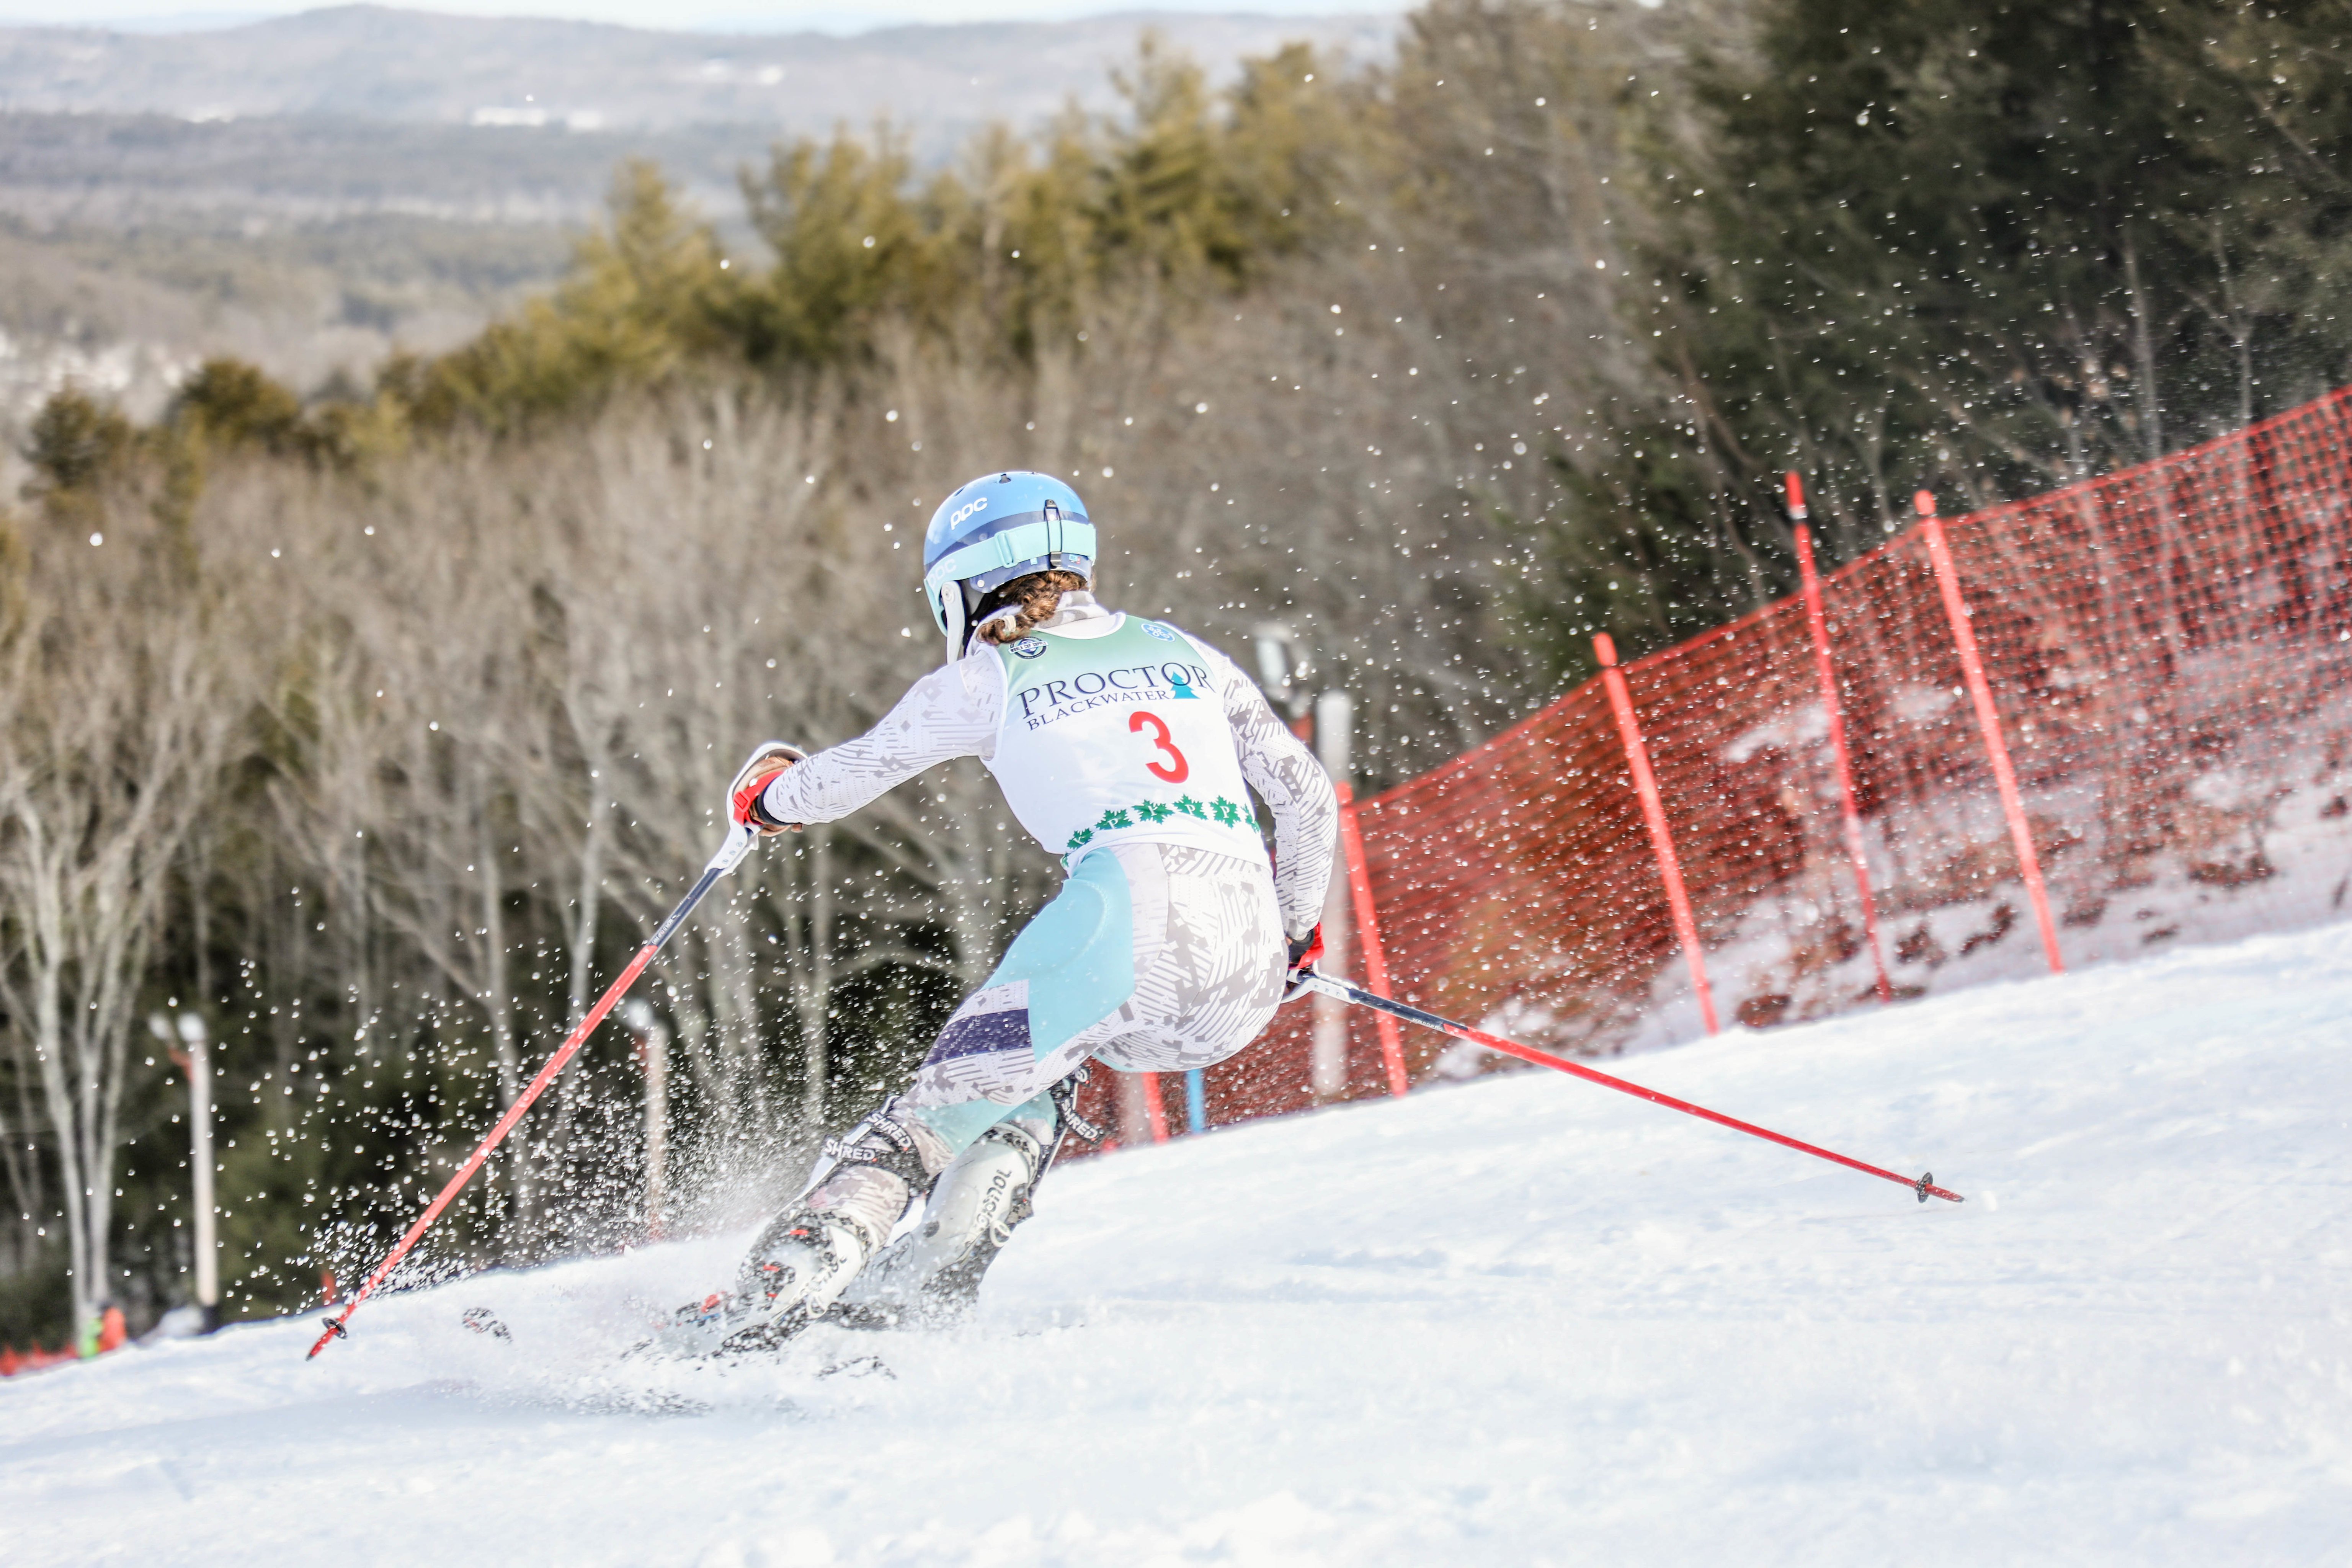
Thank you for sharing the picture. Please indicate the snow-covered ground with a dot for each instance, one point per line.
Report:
(2270, 850)
(1519, 1322)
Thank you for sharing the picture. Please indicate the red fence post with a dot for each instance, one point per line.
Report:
(2012, 805)
(1819, 624)
(1654, 813)
(1155, 1111)
(1367, 934)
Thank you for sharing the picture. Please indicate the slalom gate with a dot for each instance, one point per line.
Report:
(2110, 719)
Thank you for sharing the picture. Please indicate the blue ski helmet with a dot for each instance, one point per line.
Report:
(996, 528)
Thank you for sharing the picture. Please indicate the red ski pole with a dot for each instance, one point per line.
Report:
(730, 854)
(1923, 1185)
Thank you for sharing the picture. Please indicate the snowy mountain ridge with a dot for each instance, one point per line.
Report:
(521, 73)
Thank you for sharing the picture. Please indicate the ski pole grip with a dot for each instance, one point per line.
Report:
(732, 849)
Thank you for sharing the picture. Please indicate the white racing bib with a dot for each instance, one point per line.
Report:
(1117, 738)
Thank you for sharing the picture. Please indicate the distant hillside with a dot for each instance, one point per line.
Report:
(132, 245)
(310, 191)
(125, 171)
(373, 63)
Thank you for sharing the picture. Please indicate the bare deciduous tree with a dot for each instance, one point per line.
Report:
(117, 706)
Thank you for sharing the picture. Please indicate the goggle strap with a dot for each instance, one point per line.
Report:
(1056, 536)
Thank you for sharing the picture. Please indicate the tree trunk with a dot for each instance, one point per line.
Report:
(581, 963)
(2150, 407)
(44, 952)
(813, 989)
(496, 1002)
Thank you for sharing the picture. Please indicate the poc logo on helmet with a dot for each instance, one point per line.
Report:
(967, 509)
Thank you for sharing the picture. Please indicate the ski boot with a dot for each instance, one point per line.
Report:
(930, 1277)
(803, 1261)
(800, 1267)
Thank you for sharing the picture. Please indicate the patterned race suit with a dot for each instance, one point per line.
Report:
(1123, 745)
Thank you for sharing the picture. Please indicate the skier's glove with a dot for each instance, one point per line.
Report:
(1306, 952)
(751, 782)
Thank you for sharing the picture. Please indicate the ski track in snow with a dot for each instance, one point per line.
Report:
(1524, 1320)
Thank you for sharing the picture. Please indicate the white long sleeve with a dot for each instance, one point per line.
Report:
(957, 709)
(952, 712)
(1286, 775)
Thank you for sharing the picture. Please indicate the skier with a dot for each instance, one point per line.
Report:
(1122, 744)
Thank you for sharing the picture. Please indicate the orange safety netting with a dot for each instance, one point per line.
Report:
(2170, 652)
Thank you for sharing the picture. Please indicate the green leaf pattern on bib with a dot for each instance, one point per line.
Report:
(1220, 810)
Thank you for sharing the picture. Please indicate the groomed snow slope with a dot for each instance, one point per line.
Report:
(1521, 1321)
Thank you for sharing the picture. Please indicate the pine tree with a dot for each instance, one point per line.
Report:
(1970, 244)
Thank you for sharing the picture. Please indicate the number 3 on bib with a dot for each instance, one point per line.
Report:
(1175, 770)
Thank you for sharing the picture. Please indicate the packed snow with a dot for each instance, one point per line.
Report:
(2262, 849)
(1520, 1320)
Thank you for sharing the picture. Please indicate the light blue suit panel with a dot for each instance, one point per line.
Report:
(1077, 954)
(1076, 961)
(962, 1125)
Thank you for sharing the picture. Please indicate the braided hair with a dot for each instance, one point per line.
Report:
(1032, 601)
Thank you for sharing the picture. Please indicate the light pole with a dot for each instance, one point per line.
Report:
(1325, 720)
(653, 1045)
(198, 1061)
(1282, 669)
(1335, 725)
